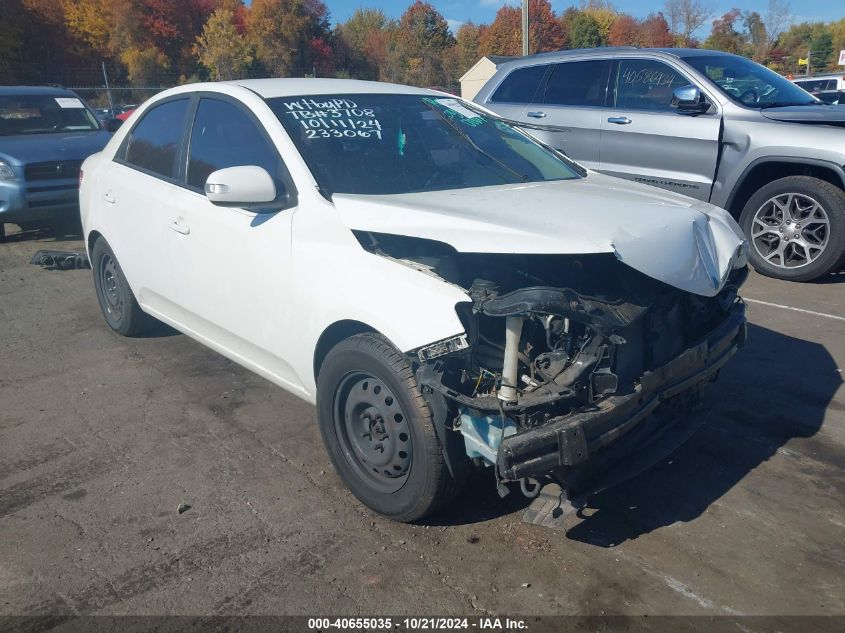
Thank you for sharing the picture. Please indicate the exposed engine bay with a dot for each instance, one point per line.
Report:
(562, 354)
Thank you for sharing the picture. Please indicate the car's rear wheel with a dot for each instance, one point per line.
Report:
(2, 232)
(378, 430)
(796, 228)
(117, 302)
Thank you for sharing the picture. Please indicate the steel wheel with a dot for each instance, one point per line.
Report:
(790, 230)
(372, 431)
(118, 304)
(110, 283)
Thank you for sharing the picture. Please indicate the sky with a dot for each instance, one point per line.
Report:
(459, 11)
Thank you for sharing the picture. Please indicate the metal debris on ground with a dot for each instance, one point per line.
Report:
(61, 260)
(550, 508)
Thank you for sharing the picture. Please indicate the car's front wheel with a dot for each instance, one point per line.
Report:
(796, 228)
(117, 302)
(378, 429)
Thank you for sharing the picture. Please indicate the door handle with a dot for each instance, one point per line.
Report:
(108, 197)
(536, 115)
(180, 226)
(619, 120)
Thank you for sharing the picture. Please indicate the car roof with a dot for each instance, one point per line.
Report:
(270, 88)
(611, 50)
(833, 75)
(33, 90)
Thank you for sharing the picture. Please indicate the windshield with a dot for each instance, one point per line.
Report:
(749, 84)
(44, 114)
(388, 144)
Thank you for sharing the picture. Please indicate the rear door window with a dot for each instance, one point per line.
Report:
(581, 83)
(223, 135)
(153, 144)
(521, 86)
(646, 84)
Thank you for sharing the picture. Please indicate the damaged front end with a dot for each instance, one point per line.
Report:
(578, 368)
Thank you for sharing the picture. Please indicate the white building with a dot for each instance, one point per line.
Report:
(473, 79)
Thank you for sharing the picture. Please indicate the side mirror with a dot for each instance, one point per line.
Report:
(689, 100)
(113, 125)
(240, 186)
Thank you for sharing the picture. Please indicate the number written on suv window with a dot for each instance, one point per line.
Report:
(646, 84)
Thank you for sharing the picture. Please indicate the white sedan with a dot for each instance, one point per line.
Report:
(449, 292)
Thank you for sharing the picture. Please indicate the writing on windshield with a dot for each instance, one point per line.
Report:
(401, 143)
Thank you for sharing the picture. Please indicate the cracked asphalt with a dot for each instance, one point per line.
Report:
(102, 438)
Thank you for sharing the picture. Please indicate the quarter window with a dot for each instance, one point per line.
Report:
(224, 136)
(578, 84)
(521, 86)
(154, 142)
(645, 84)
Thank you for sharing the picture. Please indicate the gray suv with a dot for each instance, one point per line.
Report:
(714, 126)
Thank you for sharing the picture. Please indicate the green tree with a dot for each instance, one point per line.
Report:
(584, 31)
(290, 37)
(467, 46)
(221, 49)
(757, 36)
(603, 12)
(360, 43)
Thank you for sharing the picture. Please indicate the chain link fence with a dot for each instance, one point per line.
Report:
(104, 85)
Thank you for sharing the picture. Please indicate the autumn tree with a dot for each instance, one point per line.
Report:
(467, 49)
(173, 27)
(654, 32)
(91, 21)
(362, 43)
(504, 35)
(221, 49)
(724, 36)
(604, 14)
(290, 37)
(419, 42)
(624, 32)
(238, 10)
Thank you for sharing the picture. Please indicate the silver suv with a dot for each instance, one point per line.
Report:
(715, 126)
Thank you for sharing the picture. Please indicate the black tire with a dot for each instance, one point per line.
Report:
(364, 380)
(117, 302)
(2, 232)
(788, 264)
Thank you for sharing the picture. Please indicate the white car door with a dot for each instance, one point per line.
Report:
(136, 194)
(231, 266)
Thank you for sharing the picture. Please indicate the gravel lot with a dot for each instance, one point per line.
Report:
(102, 438)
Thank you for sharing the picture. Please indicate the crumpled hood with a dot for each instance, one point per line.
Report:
(688, 244)
(36, 148)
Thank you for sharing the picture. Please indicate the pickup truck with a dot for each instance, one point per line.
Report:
(714, 126)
